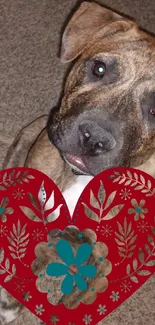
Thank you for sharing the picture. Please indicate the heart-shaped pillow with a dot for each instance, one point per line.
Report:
(75, 271)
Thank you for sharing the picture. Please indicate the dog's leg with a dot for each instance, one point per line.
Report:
(18, 152)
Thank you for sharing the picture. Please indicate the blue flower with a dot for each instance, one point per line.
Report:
(73, 268)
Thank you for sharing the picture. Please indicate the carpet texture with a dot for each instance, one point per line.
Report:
(31, 77)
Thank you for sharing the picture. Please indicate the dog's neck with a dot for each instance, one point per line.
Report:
(149, 166)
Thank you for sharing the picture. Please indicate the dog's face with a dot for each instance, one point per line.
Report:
(107, 113)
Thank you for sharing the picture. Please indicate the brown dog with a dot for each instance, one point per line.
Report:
(107, 113)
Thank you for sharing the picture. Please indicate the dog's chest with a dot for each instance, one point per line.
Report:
(72, 194)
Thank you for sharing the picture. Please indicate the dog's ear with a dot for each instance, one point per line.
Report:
(85, 23)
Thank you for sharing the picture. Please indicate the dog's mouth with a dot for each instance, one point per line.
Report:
(76, 164)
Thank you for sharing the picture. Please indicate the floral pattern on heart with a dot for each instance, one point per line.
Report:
(114, 218)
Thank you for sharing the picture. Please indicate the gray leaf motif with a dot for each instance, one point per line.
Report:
(147, 248)
(19, 243)
(54, 215)
(153, 230)
(7, 264)
(2, 272)
(101, 193)
(2, 188)
(141, 256)
(113, 212)
(33, 201)
(93, 201)
(1, 255)
(128, 269)
(110, 199)
(128, 272)
(14, 269)
(90, 213)
(143, 272)
(125, 237)
(4, 176)
(134, 278)
(50, 203)
(135, 264)
(6, 267)
(30, 214)
(151, 240)
(150, 263)
(42, 194)
(8, 278)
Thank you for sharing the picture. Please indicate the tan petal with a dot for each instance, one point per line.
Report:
(136, 217)
(100, 284)
(142, 216)
(71, 301)
(46, 255)
(134, 203)
(88, 297)
(3, 217)
(53, 284)
(106, 267)
(4, 202)
(100, 249)
(9, 211)
(88, 233)
(142, 202)
(145, 210)
(131, 211)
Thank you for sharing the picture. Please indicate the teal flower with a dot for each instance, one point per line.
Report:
(73, 268)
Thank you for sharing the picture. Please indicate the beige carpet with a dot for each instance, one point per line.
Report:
(31, 78)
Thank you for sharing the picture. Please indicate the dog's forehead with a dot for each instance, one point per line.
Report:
(122, 43)
(139, 52)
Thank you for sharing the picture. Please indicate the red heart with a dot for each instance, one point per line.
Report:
(98, 276)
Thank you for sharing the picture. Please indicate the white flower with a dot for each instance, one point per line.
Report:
(114, 296)
(102, 309)
(27, 296)
(39, 309)
(87, 319)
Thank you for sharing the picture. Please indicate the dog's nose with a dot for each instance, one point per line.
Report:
(94, 139)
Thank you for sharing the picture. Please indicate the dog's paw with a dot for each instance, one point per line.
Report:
(8, 311)
(8, 315)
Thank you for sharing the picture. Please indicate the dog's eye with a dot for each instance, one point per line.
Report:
(152, 111)
(98, 69)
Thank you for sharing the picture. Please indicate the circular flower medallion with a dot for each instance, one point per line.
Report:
(72, 273)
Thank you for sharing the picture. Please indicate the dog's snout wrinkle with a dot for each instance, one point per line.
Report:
(94, 139)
